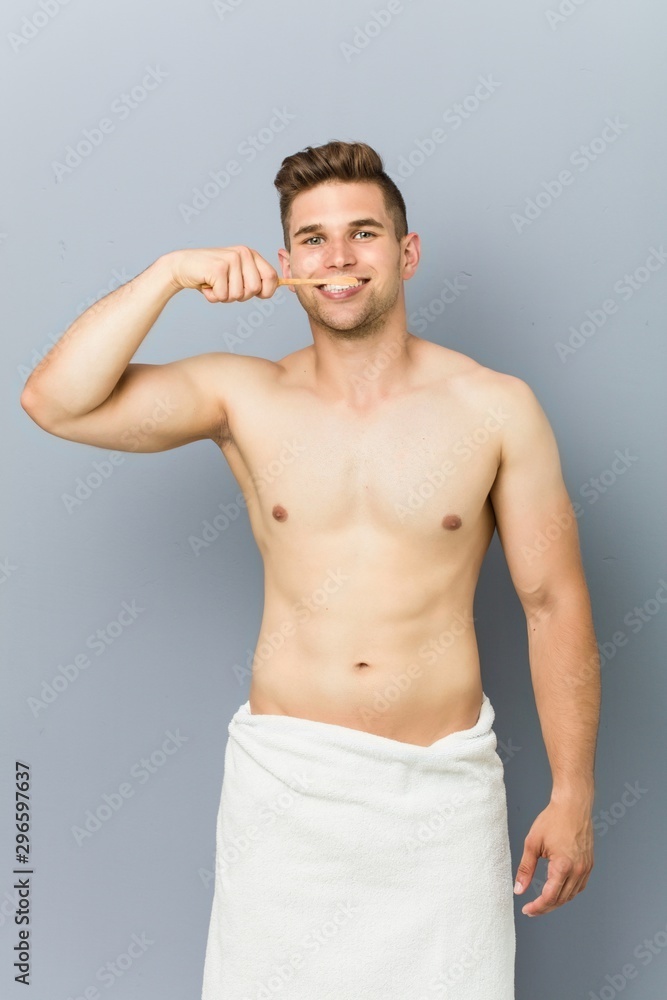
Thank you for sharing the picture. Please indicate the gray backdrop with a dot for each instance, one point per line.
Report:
(529, 142)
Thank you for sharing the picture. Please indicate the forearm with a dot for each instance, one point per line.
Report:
(565, 670)
(84, 366)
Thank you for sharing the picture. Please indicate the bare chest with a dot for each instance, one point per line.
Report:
(419, 466)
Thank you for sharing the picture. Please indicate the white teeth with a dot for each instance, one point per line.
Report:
(340, 288)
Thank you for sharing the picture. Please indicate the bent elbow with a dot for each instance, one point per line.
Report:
(37, 413)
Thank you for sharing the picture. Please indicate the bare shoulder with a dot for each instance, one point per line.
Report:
(228, 381)
(525, 426)
(229, 374)
(524, 412)
(475, 380)
(488, 395)
(513, 392)
(243, 364)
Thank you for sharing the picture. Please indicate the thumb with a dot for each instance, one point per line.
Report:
(526, 869)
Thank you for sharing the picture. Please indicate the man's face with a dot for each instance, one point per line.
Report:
(343, 228)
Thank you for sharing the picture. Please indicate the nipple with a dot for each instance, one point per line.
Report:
(451, 522)
(279, 513)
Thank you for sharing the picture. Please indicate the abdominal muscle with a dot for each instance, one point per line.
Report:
(376, 642)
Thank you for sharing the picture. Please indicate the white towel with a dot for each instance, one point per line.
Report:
(351, 866)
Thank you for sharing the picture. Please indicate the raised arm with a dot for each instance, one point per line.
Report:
(85, 389)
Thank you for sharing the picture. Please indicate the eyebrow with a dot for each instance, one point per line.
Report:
(316, 227)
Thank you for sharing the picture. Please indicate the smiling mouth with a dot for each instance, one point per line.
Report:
(331, 286)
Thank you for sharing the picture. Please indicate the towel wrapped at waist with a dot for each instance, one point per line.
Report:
(351, 866)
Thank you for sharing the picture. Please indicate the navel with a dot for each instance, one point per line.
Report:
(451, 522)
(279, 513)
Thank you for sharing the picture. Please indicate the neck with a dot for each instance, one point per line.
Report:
(362, 370)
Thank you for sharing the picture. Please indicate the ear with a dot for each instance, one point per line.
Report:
(411, 254)
(283, 258)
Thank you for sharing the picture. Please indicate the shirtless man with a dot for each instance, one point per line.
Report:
(392, 460)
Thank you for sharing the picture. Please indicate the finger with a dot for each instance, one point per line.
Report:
(209, 292)
(235, 276)
(215, 288)
(268, 274)
(566, 892)
(573, 887)
(526, 869)
(551, 892)
(215, 285)
(252, 279)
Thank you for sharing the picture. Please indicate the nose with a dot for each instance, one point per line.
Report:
(338, 254)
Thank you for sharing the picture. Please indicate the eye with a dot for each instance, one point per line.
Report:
(360, 232)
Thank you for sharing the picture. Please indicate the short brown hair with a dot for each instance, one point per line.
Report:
(337, 161)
